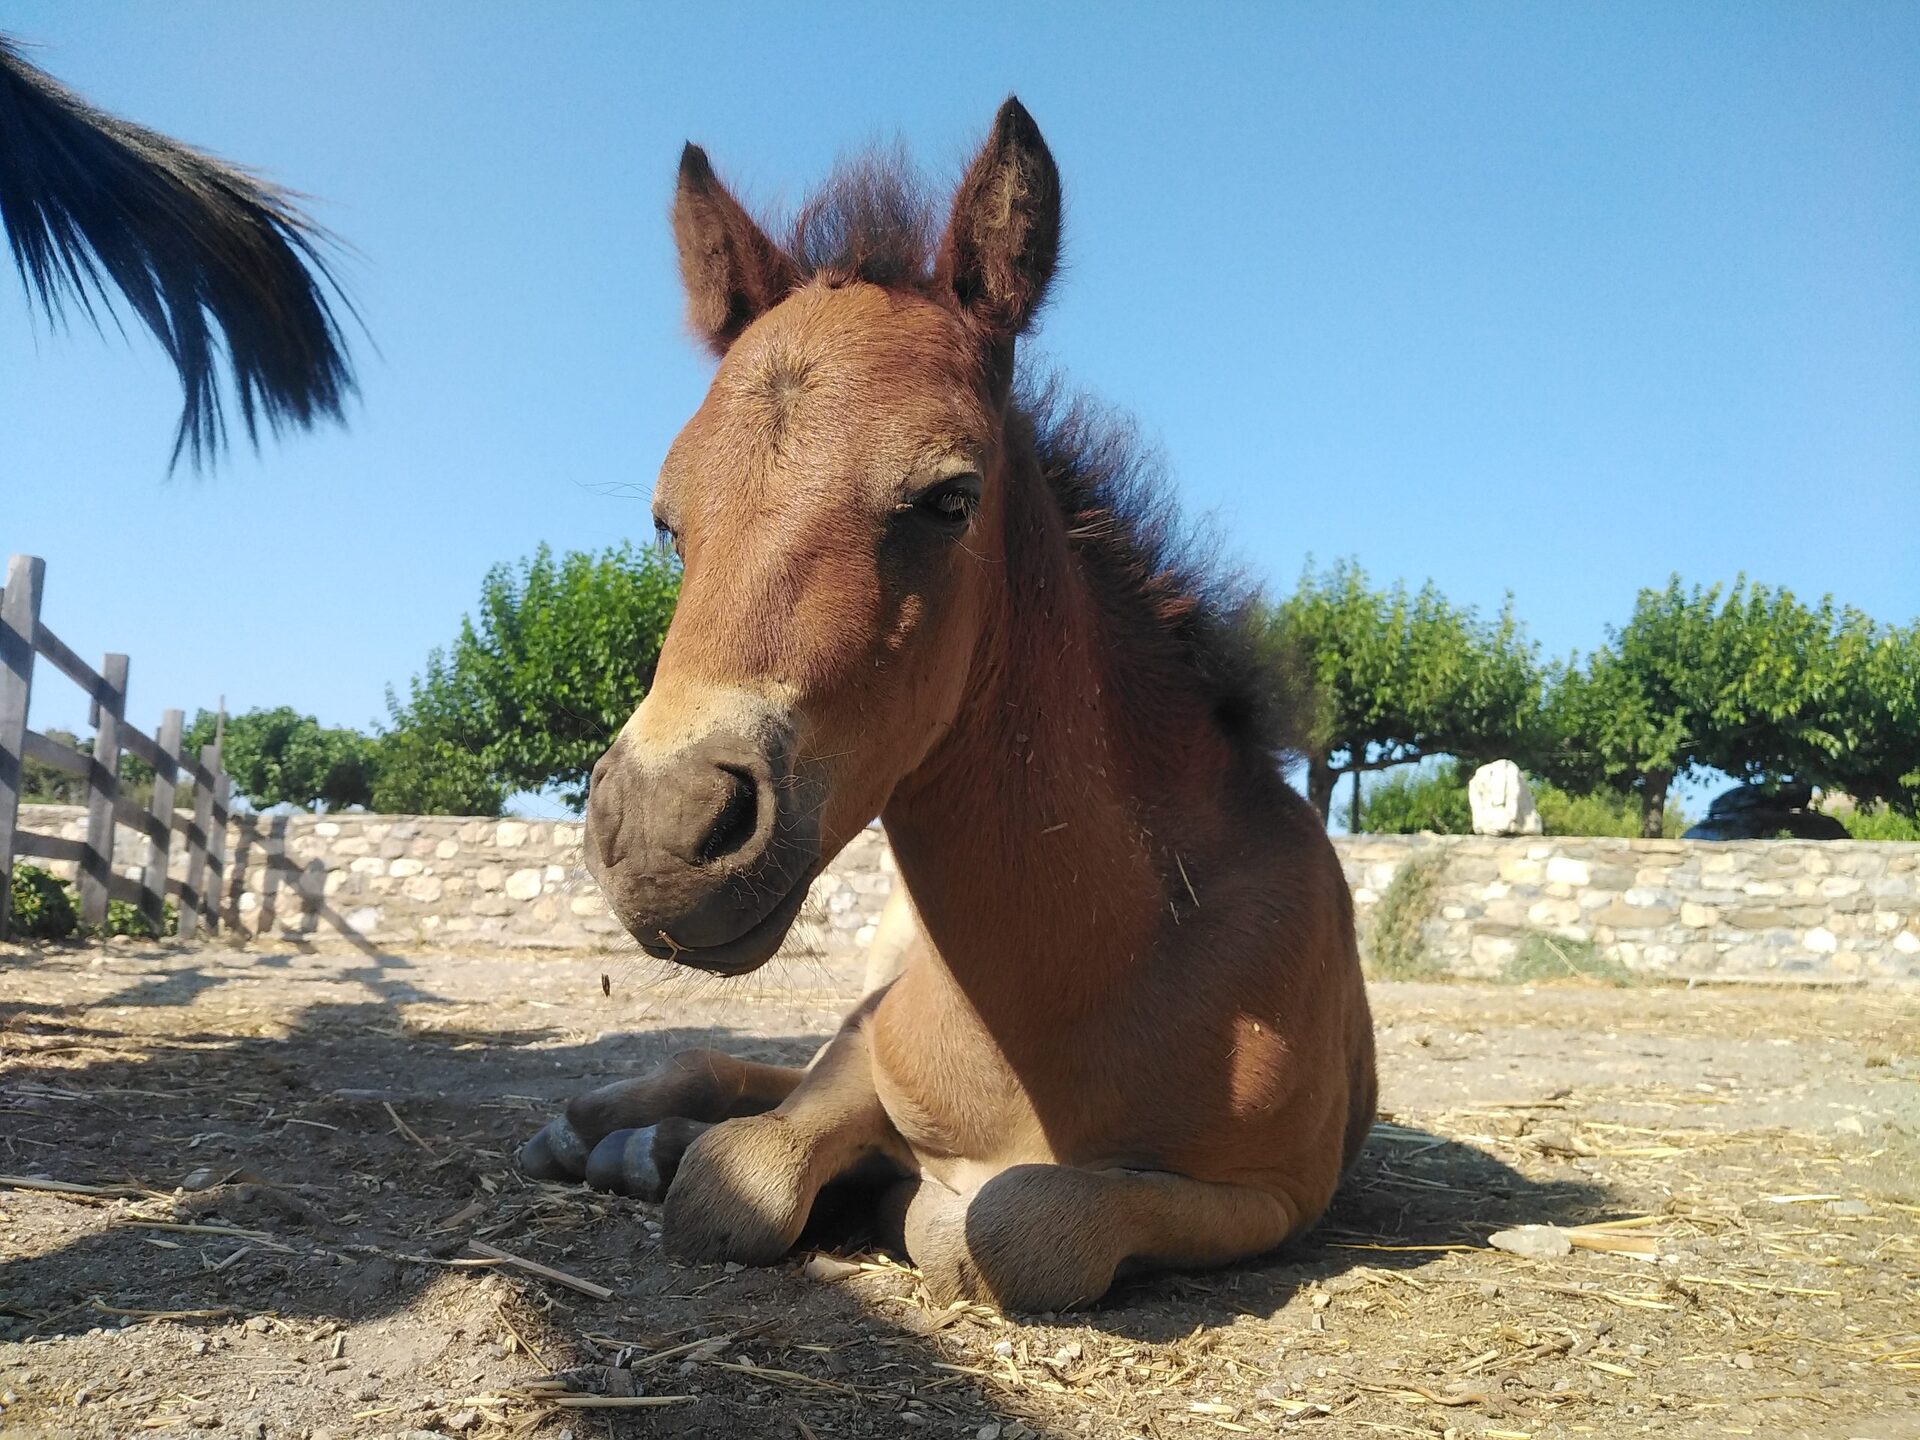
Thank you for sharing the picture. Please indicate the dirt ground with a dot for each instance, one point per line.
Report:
(278, 1161)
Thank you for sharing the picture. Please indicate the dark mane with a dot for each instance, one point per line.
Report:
(875, 220)
(1153, 572)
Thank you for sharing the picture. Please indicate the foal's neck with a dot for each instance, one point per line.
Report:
(1039, 838)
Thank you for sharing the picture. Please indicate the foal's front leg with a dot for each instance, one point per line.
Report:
(627, 1136)
(745, 1188)
(1051, 1237)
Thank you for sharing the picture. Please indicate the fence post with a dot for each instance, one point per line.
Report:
(103, 793)
(19, 623)
(217, 838)
(153, 898)
(194, 895)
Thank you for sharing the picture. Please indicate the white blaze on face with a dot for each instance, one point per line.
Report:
(676, 717)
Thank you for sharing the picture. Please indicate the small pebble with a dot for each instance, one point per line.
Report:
(1743, 1360)
(1003, 1348)
(463, 1420)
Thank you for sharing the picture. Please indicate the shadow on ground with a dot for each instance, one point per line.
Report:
(359, 1145)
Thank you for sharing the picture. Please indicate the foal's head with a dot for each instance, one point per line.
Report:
(838, 502)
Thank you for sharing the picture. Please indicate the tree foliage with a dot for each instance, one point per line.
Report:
(1880, 823)
(1755, 684)
(281, 757)
(44, 784)
(1416, 800)
(1399, 676)
(540, 678)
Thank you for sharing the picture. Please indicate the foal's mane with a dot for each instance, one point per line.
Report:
(1184, 617)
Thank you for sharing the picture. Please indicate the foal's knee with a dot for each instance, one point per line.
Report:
(741, 1194)
(1027, 1240)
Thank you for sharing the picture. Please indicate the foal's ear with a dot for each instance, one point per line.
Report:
(1004, 234)
(732, 272)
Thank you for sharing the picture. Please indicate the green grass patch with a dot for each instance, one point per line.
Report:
(1396, 941)
(1555, 957)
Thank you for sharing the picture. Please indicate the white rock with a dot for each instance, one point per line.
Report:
(1502, 803)
(1563, 870)
(827, 1269)
(1537, 1242)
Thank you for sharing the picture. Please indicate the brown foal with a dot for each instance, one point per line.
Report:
(1128, 1027)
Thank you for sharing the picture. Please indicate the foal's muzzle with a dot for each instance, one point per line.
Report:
(705, 854)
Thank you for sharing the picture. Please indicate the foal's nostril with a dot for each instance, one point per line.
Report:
(734, 826)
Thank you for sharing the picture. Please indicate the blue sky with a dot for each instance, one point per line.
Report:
(1553, 299)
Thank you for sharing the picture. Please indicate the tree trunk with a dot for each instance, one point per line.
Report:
(1353, 807)
(1653, 803)
(1320, 782)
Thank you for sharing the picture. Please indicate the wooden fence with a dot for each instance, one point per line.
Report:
(23, 638)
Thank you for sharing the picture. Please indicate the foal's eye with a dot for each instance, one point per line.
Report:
(952, 502)
(665, 536)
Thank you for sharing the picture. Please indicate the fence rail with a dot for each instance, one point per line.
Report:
(25, 637)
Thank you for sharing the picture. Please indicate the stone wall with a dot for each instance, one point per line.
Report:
(1779, 908)
(1747, 909)
(449, 881)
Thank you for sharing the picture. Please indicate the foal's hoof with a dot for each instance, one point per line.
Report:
(625, 1163)
(556, 1153)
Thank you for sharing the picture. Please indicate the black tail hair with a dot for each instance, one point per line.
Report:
(193, 244)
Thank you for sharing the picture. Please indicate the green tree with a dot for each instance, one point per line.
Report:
(1398, 677)
(281, 757)
(1757, 685)
(1412, 800)
(540, 678)
(1878, 759)
(1609, 729)
(43, 784)
(423, 773)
